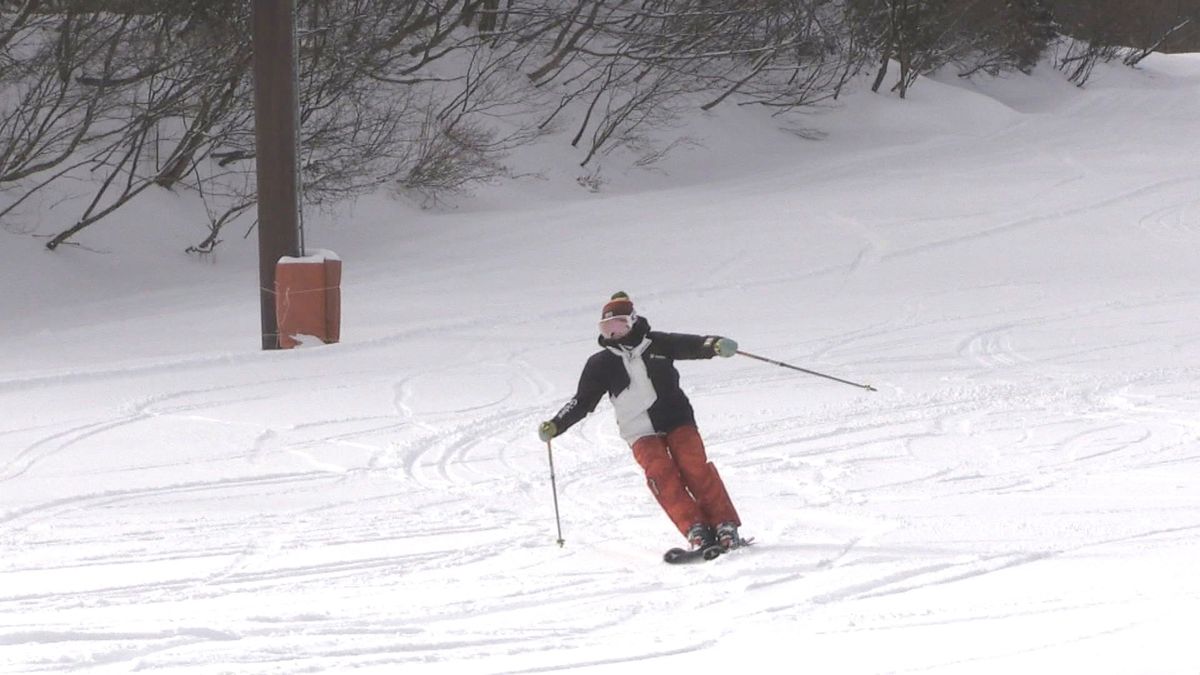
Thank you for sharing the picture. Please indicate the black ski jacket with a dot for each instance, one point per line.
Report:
(638, 374)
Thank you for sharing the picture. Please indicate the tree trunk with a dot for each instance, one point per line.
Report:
(883, 69)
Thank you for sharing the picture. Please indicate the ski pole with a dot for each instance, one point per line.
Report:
(554, 487)
(805, 370)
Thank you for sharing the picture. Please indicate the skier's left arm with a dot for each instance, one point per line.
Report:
(687, 346)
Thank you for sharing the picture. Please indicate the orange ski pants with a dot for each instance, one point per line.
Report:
(684, 482)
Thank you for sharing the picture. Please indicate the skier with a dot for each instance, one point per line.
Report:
(636, 368)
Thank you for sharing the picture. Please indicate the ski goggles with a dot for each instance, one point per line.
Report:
(616, 327)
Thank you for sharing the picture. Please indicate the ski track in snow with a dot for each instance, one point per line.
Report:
(441, 462)
(1026, 470)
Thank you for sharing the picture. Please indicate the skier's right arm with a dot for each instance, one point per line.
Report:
(587, 395)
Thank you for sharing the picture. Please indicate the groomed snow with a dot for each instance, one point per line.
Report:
(1012, 264)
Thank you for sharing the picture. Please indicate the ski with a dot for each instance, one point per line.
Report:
(683, 556)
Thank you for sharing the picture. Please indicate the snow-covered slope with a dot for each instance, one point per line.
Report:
(1011, 264)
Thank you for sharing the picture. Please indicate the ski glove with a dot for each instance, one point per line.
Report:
(547, 430)
(725, 347)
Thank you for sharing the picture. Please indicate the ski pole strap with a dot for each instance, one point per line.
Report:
(805, 370)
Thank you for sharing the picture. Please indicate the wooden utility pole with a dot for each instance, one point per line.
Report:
(275, 127)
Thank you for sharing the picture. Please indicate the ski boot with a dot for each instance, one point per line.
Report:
(727, 536)
(701, 536)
